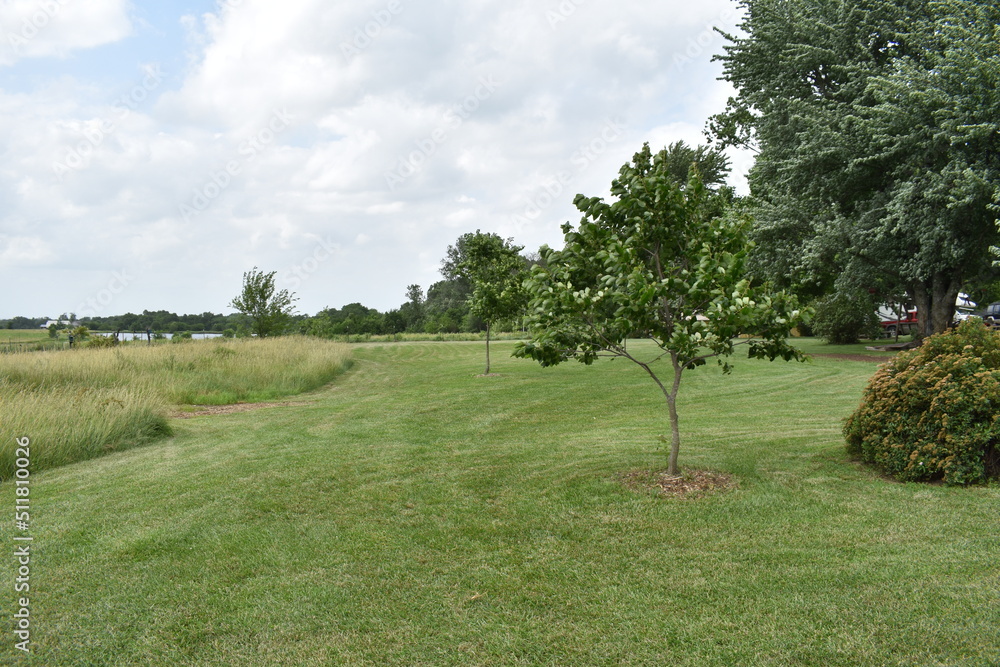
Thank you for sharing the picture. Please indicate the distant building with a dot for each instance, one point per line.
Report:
(60, 323)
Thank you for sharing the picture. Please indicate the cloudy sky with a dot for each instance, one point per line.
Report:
(154, 151)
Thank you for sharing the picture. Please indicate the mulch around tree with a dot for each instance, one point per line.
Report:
(689, 484)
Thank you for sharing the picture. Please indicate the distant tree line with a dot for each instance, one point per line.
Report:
(155, 320)
(447, 306)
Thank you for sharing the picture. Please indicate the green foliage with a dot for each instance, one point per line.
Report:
(228, 333)
(21, 322)
(934, 412)
(878, 156)
(664, 262)
(410, 313)
(268, 310)
(447, 307)
(163, 320)
(843, 318)
(495, 270)
(352, 319)
(712, 165)
(102, 341)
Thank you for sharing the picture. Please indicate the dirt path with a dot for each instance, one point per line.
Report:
(202, 410)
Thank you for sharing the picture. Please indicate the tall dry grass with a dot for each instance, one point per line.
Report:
(77, 404)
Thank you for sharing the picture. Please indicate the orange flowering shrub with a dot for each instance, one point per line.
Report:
(934, 412)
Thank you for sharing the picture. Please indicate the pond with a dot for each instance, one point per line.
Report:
(141, 335)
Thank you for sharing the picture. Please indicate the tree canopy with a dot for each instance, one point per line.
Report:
(664, 261)
(878, 162)
(495, 270)
(267, 309)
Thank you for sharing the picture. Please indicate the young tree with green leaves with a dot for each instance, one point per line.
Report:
(496, 271)
(664, 262)
(267, 309)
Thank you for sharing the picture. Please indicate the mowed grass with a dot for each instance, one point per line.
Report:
(416, 514)
(80, 403)
(23, 335)
(23, 340)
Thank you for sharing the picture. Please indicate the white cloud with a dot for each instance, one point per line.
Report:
(43, 28)
(490, 115)
(19, 251)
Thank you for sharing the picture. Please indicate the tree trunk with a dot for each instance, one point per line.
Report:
(922, 300)
(946, 290)
(671, 397)
(675, 437)
(675, 428)
(487, 371)
(935, 301)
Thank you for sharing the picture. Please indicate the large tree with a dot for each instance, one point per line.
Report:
(267, 309)
(664, 262)
(878, 154)
(495, 270)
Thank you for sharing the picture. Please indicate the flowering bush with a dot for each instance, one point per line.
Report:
(934, 412)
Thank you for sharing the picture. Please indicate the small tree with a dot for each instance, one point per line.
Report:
(268, 311)
(663, 262)
(496, 271)
(845, 317)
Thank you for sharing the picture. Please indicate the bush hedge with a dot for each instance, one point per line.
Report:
(843, 318)
(934, 412)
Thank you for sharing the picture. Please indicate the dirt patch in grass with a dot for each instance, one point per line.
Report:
(689, 484)
(202, 410)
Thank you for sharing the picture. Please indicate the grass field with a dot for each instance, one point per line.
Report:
(424, 337)
(81, 403)
(19, 340)
(413, 513)
(23, 335)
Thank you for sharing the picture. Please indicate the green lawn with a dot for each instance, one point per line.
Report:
(415, 514)
(15, 340)
(21, 335)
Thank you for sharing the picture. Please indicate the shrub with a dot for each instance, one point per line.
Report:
(845, 317)
(934, 412)
(102, 341)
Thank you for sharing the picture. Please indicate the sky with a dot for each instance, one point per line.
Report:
(153, 152)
